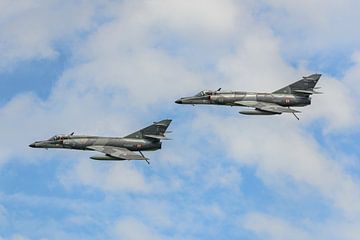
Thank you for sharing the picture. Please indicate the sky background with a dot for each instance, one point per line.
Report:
(112, 67)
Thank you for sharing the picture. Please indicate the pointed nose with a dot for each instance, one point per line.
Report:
(32, 145)
(179, 101)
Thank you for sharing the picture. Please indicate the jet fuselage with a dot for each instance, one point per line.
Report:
(297, 94)
(112, 148)
(83, 142)
(235, 98)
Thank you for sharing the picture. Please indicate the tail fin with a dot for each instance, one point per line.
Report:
(154, 131)
(304, 86)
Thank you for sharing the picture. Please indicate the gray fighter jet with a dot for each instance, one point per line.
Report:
(114, 148)
(280, 101)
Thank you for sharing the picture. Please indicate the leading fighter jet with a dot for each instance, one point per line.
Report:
(114, 148)
(297, 94)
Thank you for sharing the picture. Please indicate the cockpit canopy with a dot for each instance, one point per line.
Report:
(59, 137)
(205, 93)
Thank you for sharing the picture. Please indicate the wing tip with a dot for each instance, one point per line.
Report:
(314, 76)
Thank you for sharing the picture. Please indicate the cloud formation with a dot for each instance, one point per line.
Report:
(31, 29)
(129, 60)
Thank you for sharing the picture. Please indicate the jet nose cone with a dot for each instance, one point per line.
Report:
(32, 145)
(179, 101)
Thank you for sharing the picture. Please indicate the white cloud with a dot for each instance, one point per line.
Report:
(336, 106)
(313, 27)
(3, 213)
(339, 103)
(122, 76)
(60, 114)
(223, 177)
(15, 237)
(132, 229)
(31, 29)
(256, 65)
(261, 50)
(147, 77)
(97, 90)
(284, 151)
(18, 237)
(156, 211)
(106, 176)
(115, 64)
(217, 18)
(352, 78)
(269, 227)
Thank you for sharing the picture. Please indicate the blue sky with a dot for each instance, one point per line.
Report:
(112, 67)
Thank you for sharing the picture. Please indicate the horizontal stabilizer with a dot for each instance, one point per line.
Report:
(309, 92)
(158, 137)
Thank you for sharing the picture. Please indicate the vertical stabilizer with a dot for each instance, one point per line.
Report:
(305, 86)
(157, 129)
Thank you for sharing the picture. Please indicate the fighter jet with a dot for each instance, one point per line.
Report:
(297, 94)
(113, 148)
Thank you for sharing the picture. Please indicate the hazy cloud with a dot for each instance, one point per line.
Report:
(137, 57)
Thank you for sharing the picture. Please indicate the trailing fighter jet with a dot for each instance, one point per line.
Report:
(114, 148)
(297, 94)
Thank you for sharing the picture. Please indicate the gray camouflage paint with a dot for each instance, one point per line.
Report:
(293, 95)
(146, 139)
